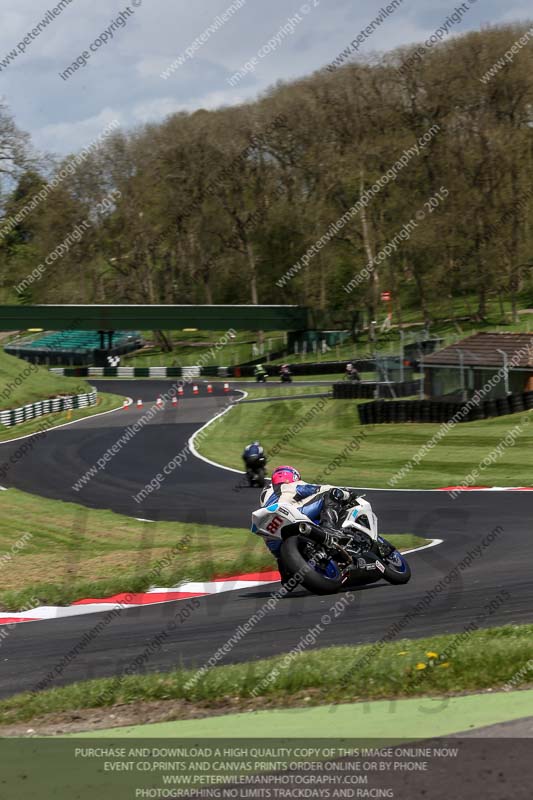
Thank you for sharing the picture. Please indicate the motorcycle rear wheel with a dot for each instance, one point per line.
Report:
(313, 580)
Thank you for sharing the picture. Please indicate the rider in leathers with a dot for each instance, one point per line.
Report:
(322, 504)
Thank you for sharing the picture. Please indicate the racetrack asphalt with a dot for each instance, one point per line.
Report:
(201, 493)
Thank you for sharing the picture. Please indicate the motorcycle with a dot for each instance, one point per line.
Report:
(285, 374)
(255, 471)
(324, 560)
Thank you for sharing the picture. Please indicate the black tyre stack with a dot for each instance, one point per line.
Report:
(490, 408)
(402, 411)
(401, 415)
(528, 400)
(476, 413)
(363, 410)
(425, 411)
(516, 403)
(502, 406)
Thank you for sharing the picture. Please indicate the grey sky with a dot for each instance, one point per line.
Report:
(122, 79)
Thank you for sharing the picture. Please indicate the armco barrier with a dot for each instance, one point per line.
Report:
(439, 411)
(353, 390)
(117, 372)
(208, 371)
(15, 416)
(128, 372)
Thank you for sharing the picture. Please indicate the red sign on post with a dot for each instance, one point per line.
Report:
(386, 297)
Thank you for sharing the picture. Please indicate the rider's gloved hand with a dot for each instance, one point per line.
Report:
(339, 495)
(352, 495)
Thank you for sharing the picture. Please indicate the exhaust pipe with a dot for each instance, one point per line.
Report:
(315, 534)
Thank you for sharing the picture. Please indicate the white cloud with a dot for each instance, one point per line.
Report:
(67, 137)
(155, 109)
(122, 80)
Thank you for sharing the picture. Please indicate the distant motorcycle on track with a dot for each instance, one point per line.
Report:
(285, 374)
(256, 475)
(260, 374)
(325, 560)
(255, 461)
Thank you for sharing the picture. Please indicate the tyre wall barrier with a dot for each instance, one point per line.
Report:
(348, 390)
(438, 411)
(15, 416)
(128, 372)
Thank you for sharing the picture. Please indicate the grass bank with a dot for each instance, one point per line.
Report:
(22, 383)
(54, 552)
(383, 449)
(454, 320)
(435, 665)
(193, 347)
(283, 390)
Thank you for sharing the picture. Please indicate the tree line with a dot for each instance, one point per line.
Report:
(223, 206)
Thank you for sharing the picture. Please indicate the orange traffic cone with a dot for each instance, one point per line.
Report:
(209, 389)
(180, 391)
(226, 387)
(159, 402)
(195, 389)
(174, 401)
(139, 403)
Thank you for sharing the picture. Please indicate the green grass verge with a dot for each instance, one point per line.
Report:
(22, 383)
(74, 552)
(390, 721)
(404, 668)
(383, 451)
(283, 390)
(274, 381)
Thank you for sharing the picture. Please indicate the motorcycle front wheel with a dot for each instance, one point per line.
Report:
(296, 555)
(397, 570)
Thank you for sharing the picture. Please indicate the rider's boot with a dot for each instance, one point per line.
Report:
(330, 516)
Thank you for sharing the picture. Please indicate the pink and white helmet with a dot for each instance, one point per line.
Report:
(283, 475)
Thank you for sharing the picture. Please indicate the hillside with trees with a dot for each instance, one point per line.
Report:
(218, 206)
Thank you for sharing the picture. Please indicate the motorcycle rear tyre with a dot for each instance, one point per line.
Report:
(295, 563)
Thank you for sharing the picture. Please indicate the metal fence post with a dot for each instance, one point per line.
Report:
(505, 370)
(462, 368)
